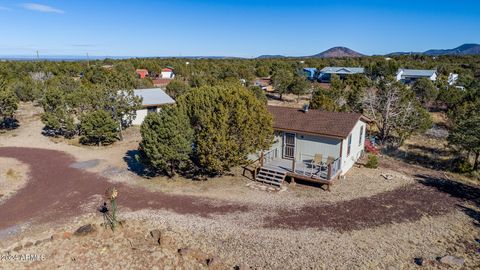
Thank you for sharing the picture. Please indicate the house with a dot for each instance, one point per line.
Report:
(310, 73)
(167, 73)
(311, 145)
(142, 73)
(411, 75)
(325, 73)
(152, 101)
(452, 78)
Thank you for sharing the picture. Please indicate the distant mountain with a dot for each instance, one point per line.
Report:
(465, 49)
(271, 56)
(337, 52)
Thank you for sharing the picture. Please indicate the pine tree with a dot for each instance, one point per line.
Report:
(8, 106)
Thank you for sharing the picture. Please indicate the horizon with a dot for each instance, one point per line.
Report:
(245, 29)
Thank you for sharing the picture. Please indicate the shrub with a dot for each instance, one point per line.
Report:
(372, 161)
(461, 165)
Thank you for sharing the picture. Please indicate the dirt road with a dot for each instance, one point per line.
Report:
(56, 190)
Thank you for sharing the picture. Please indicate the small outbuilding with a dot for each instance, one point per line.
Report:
(153, 99)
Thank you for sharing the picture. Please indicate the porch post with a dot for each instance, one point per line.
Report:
(329, 171)
(261, 158)
(293, 165)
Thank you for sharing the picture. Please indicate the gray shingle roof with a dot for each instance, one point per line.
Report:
(153, 96)
(343, 70)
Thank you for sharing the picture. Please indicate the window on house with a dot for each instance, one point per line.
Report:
(361, 137)
(349, 148)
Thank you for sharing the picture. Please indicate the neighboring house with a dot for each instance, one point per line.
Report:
(142, 73)
(264, 83)
(326, 73)
(311, 145)
(153, 100)
(411, 75)
(167, 73)
(452, 78)
(161, 82)
(310, 73)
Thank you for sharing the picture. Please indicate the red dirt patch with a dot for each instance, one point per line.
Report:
(405, 204)
(56, 190)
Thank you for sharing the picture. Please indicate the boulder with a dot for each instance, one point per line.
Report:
(28, 244)
(215, 263)
(55, 236)
(241, 266)
(156, 235)
(17, 248)
(85, 230)
(67, 235)
(452, 260)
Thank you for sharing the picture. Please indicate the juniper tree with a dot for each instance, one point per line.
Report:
(167, 139)
(8, 105)
(229, 123)
(98, 127)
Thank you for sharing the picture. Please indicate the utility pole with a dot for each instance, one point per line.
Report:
(88, 61)
(38, 57)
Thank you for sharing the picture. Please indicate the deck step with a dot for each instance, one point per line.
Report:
(270, 176)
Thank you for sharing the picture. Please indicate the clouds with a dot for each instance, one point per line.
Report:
(41, 8)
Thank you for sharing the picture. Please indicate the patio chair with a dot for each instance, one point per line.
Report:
(330, 160)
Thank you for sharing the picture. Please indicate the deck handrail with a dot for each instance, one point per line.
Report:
(270, 155)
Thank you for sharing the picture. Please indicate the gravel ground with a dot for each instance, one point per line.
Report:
(13, 176)
(365, 222)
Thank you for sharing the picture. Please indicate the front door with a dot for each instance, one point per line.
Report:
(289, 145)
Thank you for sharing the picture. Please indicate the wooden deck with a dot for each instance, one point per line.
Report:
(302, 171)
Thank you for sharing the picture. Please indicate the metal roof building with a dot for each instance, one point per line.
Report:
(153, 97)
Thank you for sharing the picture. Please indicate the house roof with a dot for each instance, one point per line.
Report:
(153, 97)
(311, 70)
(329, 124)
(167, 70)
(141, 71)
(342, 70)
(417, 72)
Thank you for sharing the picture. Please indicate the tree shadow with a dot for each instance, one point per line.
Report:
(462, 191)
(423, 160)
(135, 165)
(9, 124)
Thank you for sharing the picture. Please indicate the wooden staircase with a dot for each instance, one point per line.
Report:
(270, 176)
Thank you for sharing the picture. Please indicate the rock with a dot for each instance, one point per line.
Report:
(193, 253)
(241, 266)
(214, 263)
(17, 248)
(38, 242)
(418, 261)
(85, 230)
(156, 234)
(452, 260)
(387, 176)
(28, 244)
(67, 235)
(55, 236)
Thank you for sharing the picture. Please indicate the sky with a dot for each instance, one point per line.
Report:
(243, 28)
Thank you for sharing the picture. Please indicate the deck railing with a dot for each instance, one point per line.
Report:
(322, 170)
(267, 157)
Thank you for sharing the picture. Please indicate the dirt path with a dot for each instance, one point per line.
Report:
(55, 190)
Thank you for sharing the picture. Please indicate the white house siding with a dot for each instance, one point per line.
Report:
(141, 114)
(357, 147)
(311, 145)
